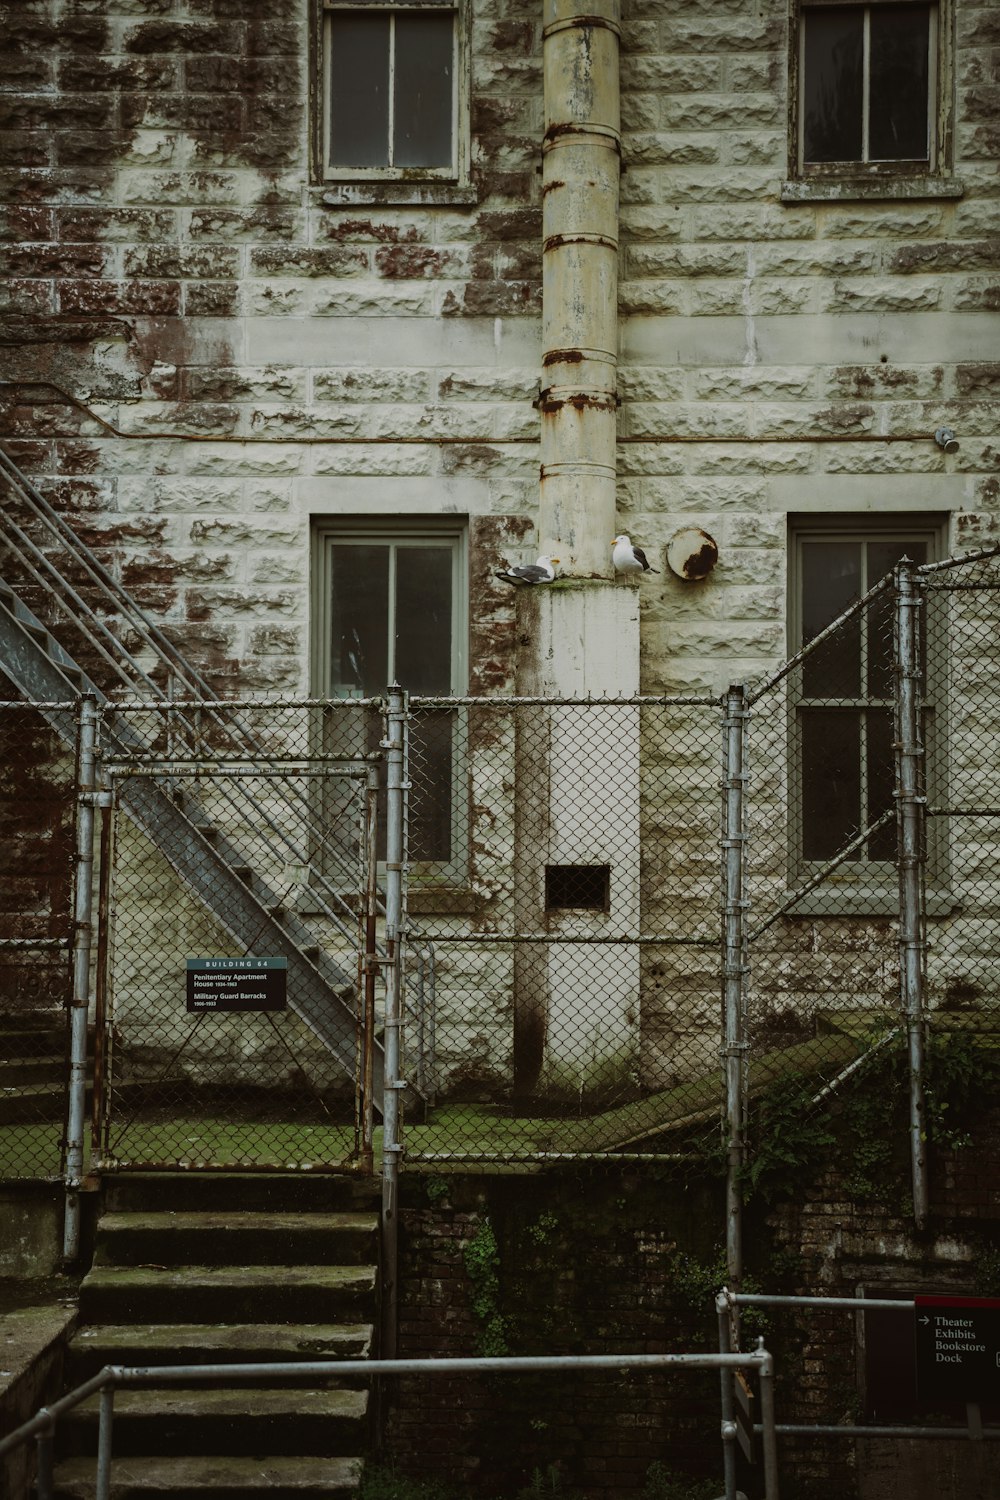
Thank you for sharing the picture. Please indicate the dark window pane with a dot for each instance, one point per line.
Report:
(897, 128)
(831, 780)
(422, 104)
(882, 558)
(359, 89)
(832, 85)
(423, 619)
(359, 620)
(430, 800)
(831, 578)
(881, 781)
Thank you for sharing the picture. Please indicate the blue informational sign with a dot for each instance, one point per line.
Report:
(958, 1348)
(234, 984)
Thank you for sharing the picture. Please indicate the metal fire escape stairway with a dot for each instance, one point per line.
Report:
(203, 855)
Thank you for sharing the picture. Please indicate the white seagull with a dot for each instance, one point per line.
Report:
(629, 559)
(542, 571)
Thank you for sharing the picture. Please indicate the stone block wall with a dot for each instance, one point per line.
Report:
(770, 345)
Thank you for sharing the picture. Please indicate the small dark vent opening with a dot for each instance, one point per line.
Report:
(577, 887)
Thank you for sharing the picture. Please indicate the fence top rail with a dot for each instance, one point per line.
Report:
(219, 705)
(511, 700)
(959, 561)
(22, 703)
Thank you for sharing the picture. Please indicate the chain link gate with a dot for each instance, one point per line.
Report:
(564, 893)
(239, 829)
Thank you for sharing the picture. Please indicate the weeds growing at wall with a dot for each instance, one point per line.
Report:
(482, 1263)
(863, 1129)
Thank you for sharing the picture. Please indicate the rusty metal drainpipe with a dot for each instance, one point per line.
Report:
(581, 153)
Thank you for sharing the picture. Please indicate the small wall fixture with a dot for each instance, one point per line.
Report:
(946, 439)
(692, 554)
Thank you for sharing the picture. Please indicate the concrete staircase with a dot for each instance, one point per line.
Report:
(215, 1269)
(34, 1066)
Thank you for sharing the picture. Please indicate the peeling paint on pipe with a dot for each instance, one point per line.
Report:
(581, 151)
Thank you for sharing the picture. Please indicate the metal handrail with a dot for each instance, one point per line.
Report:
(42, 1426)
(727, 1303)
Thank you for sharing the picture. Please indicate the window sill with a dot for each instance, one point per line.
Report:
(389, 194)
(441, 900)
(875, 901)
(854, 189)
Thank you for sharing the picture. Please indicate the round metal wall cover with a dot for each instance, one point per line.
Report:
(692, 554)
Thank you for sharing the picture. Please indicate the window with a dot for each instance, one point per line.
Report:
(865, 84)
(842, 770)
(392, 91)
(390, 607)
(869, 92)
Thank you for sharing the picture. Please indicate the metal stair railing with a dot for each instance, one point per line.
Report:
(177, 669)
(197, 849)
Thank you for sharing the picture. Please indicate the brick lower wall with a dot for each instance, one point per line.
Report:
(606, 1261)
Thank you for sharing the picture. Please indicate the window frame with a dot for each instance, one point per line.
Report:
(876, 179)
(328, 531)
(864, 887)
(455, 173)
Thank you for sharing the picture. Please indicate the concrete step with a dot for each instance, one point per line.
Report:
(43, 1040)
(31, 1103)
(159, 1293)
(17, 1070)
(212, 1344)
(200, 1421)
(316, 1478)
(226, 1238)
(258, 1192)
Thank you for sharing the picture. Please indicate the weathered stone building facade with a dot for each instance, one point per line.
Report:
(260, 348)
(260, 345)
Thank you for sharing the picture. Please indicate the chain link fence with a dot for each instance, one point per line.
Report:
(821, 886)
(563, 874)
(263, 811)
(37, 816)
(600, 898)
(962, 828)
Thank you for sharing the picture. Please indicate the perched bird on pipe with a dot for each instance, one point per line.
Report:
(629, 559)
(542, 571)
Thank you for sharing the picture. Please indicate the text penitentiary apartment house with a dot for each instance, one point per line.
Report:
(321, 316)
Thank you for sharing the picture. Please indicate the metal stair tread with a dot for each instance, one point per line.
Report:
(219, 1476)
(199, 1403)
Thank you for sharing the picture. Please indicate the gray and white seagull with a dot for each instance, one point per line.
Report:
(629, 559)
(542, 571)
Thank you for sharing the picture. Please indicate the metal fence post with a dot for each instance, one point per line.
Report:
(80, 1001)
(724, 1309)
(910, 815)
(734, 969)
(104, 1439)
(394, 745)
(369, 964)
(769, 1440)
(45, 1449)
